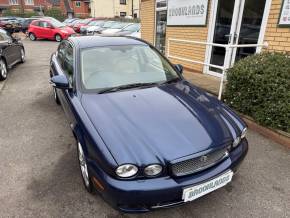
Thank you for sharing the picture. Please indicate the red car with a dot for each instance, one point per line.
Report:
(49, 29)
(77, 26)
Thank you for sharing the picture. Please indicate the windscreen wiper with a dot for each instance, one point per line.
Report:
(170, 81)
(123, 87)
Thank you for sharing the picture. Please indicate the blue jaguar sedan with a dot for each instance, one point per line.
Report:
(146, 138)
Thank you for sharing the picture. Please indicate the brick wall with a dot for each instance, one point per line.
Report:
(277, 37)
(189, 51)
(147, 15)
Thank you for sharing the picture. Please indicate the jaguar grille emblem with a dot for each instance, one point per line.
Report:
(203, 159)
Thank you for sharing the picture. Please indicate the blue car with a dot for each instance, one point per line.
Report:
(146, 137)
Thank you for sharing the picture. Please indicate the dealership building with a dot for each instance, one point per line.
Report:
(208, 36)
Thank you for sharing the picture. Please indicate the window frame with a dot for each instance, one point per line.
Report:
(29, 2)
(124, 14)
(78, 4)
(13, 2)
(123, 2)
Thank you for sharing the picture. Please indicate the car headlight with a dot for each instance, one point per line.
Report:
(153, 170)
(236, 142)
(244, 133)
(126, 170)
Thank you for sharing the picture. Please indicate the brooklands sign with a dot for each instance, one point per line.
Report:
(187, 12)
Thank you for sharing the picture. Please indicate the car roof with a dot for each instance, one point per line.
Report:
(100, 41)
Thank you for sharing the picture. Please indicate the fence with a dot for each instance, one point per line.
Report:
(227, 60)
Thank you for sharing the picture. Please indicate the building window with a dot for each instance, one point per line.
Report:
(29, 2)
(13, 2)
(123, 14)
(122, 2)
(78, 4)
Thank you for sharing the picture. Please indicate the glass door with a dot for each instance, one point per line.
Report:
(161, 21)
(236, 22)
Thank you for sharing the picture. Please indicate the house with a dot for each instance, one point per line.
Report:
(76, 8)
(26, 5)
(115, 8)
(180, 30)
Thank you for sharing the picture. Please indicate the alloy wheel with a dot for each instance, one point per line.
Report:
(83, 165)
(22, 55)
(3, 70)
(32, 37)
(58, 38)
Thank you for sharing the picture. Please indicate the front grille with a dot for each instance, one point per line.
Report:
(200, 163)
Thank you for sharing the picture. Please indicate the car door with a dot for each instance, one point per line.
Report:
(45, 30)
(8, 50)
(65, 62)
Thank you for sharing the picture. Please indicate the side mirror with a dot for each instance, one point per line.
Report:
(59, 82)
(179, 68)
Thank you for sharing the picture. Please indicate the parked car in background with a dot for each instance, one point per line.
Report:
(92, 26)
(116, 27)
(107, 25)
(70, 20)
(78, 25)
(146, 137)
(10, 23)
(49, 29)
(131, 30)
(11, 52)
(74, 22)
(26, 23)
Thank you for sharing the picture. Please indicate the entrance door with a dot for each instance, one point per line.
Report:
(236, 22)
(161, 21)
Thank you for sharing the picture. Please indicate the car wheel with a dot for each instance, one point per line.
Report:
(3, 70)
(55, 96)
(32, 37)
(58, 38)
(22, 57)
(84, 169)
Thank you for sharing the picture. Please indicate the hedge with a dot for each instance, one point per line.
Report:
(259, 86)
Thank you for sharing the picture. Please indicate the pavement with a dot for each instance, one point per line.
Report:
(39, 173)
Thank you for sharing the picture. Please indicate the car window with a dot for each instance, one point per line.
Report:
(44, 24)
(36, 23)
(111, 66)
(68, 67)
(65, 59)
(3, 35)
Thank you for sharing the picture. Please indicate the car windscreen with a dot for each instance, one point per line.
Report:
(108, 24)
(56, 23)
(112, 66)
(96, 23)
(132, 28)
(118, 25)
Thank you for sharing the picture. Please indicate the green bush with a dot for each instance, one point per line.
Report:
(259, 86)
(55, 13)
(18, 13)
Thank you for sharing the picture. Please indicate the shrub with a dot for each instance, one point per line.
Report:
(259, 86)
(55, 13)
(18, 13)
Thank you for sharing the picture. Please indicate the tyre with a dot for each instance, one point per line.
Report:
(56, 99)
(22, 55)
(32, 37)
(3, 70)
(58, 38)
(84, 169)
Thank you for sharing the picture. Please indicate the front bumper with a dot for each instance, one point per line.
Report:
(148, 194)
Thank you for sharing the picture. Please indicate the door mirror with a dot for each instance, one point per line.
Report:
(179, 68)
(59, 82)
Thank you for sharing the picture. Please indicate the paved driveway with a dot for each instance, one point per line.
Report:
(39, 175)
